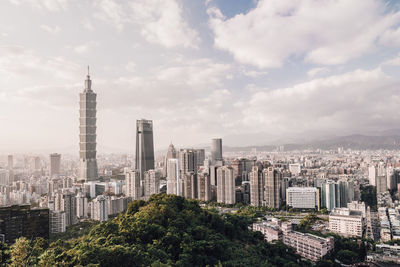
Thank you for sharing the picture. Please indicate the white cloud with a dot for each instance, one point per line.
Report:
(323, 32)
(160, 22)
(80, 49)
(392, 62)
(354, 101)
(49, 5)
(112, 12)
(316, 71)
(49, 29)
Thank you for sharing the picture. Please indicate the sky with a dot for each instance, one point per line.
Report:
(251, 72)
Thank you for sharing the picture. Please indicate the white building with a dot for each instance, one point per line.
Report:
(82, 208)
(225, 185)
(346, 222)
(99, 209)
(57, 221)
(302, 197)
(173, 179)
(133, 189)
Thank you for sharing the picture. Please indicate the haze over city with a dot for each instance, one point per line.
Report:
(251, 72)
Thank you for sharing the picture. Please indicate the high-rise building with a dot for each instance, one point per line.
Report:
(55, 164)
(187, 161)
(144, 146)
(82, 208)
(66, 202)
(346, 222)
(256, 187)
(272, 181)
(20, 220)
(216, 151)
(204, 186)
(99, 209)
(173, 177)
(132, 181)
(330, 195)
(372, 173)
(381, 186)
(87, 138)
(171, 154)
(225, 185)
(201, 157)
(57, 221)
(189, 185)
(151, 183)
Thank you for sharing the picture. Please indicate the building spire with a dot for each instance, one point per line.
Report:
(88, 82)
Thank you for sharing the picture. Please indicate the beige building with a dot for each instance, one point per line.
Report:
(346, 222)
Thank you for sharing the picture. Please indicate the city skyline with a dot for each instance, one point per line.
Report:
(192, 79)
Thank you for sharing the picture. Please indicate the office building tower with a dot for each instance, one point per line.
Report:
(82, 207)
(173, 177)
(55, 164)
(187, 160)
(204, 186)
(272, 182)
(3, 177)
(256, 187)
(302, 197)
(20, 220)
(151, 183)
(144, 146)
(345, 192)
(87, 133)
(216, 152)
(225, 185)
(171, 154)
(133, 187)
(99, 209)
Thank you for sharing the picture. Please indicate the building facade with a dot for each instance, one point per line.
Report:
(87, 133)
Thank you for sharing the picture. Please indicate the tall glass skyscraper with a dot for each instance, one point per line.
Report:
(87, 137)
(144, 146)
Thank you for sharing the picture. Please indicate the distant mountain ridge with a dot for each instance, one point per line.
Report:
(356, 141)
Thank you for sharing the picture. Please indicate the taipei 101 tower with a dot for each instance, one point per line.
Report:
(87, 133)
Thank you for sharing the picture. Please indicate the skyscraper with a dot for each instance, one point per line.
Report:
(144, 146)
(171, 154)
(55, 164)
(216, 151)
(173, 178)
(87, 137)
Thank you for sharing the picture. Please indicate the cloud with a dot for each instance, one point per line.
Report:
(355, 101)
(18, 62)
(160, 22)
(392, 62)
(316, 71)
(49, 29)
(49, 5)
(80, 49)
(322, 32)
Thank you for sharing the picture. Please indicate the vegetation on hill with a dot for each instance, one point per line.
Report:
(167, 230)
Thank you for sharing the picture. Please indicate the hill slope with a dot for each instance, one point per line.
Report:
(168, 230)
